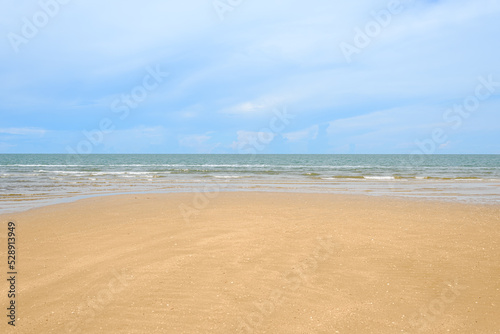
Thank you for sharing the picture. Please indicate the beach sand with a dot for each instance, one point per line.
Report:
(254, 263)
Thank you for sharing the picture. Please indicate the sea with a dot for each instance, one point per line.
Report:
(32, 180)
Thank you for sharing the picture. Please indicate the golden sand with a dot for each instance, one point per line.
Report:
(254, 263)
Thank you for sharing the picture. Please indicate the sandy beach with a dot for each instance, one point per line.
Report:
(254, 263)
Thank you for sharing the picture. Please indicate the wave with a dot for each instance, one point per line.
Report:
(380, 177)
(227, 177)
(399, 177)
(39, 165)
(344, 177)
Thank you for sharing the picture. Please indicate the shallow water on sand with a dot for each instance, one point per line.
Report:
(30, 180)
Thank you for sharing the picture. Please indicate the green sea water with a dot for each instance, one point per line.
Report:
(28, 180)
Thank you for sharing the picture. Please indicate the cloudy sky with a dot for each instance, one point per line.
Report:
(287, 76)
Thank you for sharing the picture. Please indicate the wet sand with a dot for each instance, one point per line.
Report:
(254, 263)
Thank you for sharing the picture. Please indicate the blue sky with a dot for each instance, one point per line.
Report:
(203, 76)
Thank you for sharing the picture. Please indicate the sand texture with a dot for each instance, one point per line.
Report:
(254, 263)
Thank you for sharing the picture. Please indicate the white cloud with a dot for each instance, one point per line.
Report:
(24, 131)
(259, 106)
(389, 120)
(5, 146)
(384, 131)
(134, 140)
(245, 108)
(305, 134)
(199, 143)
(194, 141)
(445, 145)
(252, 141)
(230, 74)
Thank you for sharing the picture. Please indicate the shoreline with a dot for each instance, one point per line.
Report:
(28, 180)
(62, 200)
(248, 262)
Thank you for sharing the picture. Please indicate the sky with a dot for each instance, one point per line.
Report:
(250, 76)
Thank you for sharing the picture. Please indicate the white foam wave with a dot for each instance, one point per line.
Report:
(385, 178)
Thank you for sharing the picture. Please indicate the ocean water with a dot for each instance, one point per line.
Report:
(31, 180)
